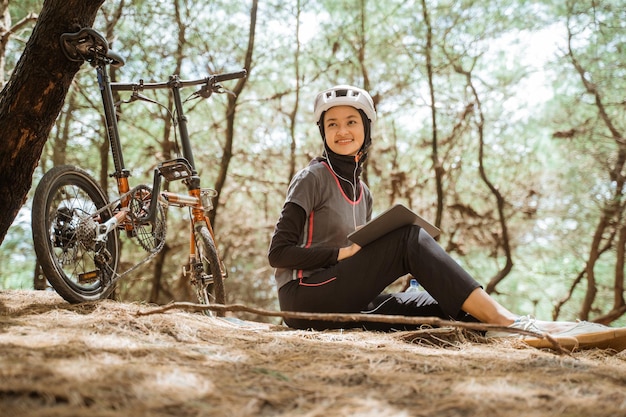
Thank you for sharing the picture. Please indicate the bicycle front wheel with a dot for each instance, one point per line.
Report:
(209, 281)
(66, 212)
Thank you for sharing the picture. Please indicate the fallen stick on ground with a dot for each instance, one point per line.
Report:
(353, 317)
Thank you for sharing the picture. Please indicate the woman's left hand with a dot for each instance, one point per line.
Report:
(348, 251)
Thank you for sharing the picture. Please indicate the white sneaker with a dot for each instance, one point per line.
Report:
(527, 323)
(581, 335)
(581, 328)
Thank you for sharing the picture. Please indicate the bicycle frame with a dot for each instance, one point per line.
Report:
(176, 169)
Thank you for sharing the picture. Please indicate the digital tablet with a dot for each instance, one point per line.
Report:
(388, 221)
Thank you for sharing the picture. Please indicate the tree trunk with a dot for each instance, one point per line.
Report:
(33, 98)
(612, 211)
(437, 163)
(231, 112)
(157, 273)
(293, 114)
(619, 306)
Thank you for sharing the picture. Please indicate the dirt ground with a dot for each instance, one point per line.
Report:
(103, 359)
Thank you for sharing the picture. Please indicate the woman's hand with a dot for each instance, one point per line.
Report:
(348, 251)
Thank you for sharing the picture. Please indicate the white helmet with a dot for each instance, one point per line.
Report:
(344, 95)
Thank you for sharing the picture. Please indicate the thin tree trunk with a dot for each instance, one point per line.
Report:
(166, 149)
(294, 112)
(612, 211)
(59, 150)
(231, 113)
(437, 165)
(157, 273)
(619, 306)
(504, 240)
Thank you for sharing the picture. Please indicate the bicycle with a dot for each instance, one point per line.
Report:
(76, 228)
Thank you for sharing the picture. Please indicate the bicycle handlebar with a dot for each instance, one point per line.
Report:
(175, 81)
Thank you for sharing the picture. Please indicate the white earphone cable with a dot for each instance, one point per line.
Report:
(353, 185)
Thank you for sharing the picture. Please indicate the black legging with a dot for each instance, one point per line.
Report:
(355, 284)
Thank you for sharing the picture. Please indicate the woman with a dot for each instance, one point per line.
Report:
(319, 270)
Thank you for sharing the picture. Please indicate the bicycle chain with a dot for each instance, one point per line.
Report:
(116, 276)
(138, 210)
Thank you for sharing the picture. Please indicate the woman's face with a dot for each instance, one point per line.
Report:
(344, 130)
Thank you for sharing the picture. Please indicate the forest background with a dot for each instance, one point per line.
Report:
(501, 121)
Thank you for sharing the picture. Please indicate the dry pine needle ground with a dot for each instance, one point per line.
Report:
(103, 359)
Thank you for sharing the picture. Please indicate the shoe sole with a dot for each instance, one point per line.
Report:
(614, 339)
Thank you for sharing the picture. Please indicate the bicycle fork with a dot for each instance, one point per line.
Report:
(199, 201)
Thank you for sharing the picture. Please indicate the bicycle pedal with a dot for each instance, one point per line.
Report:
(88, 277)
(175, 169)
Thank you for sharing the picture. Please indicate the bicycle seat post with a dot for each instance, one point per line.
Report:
(112, 129)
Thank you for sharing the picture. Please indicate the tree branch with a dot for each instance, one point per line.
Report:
(17, 26)
(352, 318)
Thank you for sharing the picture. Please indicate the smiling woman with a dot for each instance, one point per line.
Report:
(318, 270)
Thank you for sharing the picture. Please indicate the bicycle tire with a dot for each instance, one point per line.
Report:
(64, 204)
(210, 290)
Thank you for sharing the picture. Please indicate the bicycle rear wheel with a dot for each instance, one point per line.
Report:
(208, 281)
(65, 214)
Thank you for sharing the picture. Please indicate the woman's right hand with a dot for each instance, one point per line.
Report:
(348, 251)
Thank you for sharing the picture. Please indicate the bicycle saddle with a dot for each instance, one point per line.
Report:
(89, 45)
